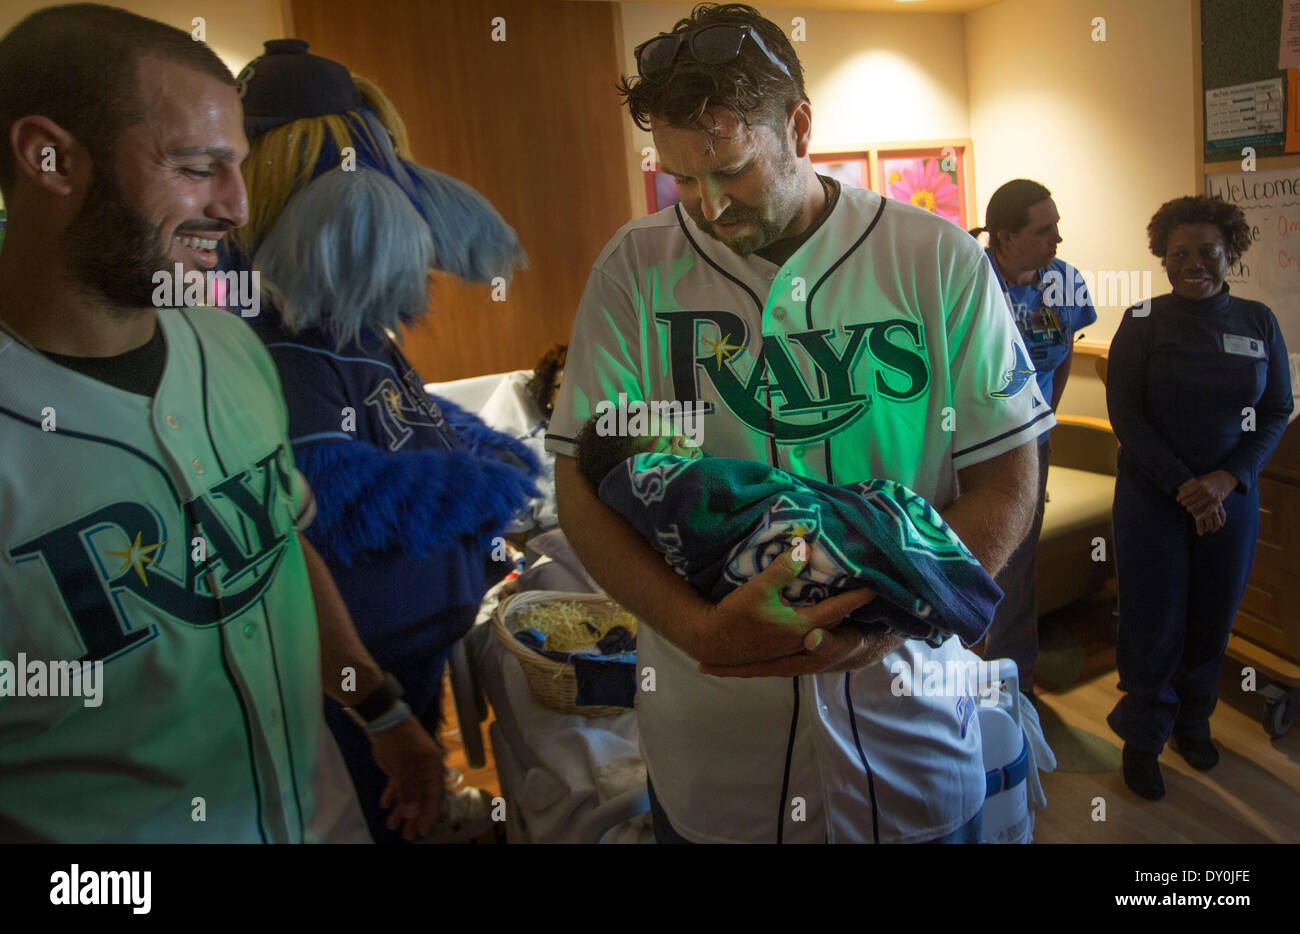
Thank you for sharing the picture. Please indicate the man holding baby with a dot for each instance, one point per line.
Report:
(836, 336)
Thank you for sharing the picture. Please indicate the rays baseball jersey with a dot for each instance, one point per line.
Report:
(155, 536)
(882, 348)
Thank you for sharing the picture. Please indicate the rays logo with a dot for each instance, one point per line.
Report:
(652, 474)
(110, 561)
(830, 569)
(245, 76)
(768, 392)
(669, 543)
(965, 710)
(399, 411)
(1021, 372)
(921, 529)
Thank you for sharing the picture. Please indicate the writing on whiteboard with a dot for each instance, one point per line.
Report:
(1269, 271)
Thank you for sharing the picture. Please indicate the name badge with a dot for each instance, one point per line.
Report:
(1243, 346)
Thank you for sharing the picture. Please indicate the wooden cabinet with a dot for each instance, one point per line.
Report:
(1270, 609)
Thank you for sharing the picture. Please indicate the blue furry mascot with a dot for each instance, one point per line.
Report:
(410, 490)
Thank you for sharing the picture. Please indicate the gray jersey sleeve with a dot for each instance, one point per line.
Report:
(604, 359)
(304, 502)
(996, 402)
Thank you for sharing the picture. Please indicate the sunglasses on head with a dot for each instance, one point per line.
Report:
(708, 45)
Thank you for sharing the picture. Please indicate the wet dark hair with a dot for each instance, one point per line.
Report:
(1009, 208)
(599, 454)
(751, 87)
(77, 64)
(1199, 209)
(541, 387)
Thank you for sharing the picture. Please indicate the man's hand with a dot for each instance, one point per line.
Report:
(754, 623)
(1202, 494)
(413, 763)
(842, 649)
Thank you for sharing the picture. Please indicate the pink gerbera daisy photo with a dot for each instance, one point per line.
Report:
(919, 181)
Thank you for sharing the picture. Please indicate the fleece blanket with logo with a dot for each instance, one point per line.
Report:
(718, 521)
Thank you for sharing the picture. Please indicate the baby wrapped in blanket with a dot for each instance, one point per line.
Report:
(718, 521)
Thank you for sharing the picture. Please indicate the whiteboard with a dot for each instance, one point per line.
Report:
(1269, 272)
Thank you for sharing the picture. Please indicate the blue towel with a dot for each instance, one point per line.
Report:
(605, 678)
(718, 521)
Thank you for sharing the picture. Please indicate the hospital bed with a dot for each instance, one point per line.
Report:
(566, 778)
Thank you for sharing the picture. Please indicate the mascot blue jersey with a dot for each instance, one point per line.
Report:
(398, 554)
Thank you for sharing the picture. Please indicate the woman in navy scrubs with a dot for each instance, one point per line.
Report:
(1199, 392)
(1050, 304)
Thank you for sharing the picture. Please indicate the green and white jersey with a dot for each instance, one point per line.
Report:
(156, 536)
(883, 348)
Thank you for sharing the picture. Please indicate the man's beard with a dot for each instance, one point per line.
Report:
(783, 201)
(112, 250)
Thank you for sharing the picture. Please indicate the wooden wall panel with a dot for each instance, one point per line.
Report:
(533, 123)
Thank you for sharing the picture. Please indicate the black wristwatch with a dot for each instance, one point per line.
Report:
(378, 703)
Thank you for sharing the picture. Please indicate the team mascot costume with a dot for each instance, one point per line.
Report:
(410, 491)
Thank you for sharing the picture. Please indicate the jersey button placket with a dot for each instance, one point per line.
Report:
(823, 734)
(776, 316)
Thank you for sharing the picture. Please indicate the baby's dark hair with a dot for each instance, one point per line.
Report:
(599, 453)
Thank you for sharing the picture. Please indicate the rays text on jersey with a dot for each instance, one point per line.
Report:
(108, 562)
(771, 395)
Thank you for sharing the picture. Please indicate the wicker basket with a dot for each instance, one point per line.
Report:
(553, 683)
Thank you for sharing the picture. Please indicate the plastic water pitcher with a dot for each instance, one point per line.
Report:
(1006, 763)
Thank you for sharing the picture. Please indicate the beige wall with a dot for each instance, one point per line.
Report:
(1108, 126)
(235, 28)
(1085, 393)
(872, 77)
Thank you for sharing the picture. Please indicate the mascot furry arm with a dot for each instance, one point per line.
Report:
(370, 500)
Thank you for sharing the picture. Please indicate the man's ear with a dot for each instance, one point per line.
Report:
(800, 125)
(48, 156)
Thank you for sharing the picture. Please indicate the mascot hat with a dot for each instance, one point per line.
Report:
(343, 226)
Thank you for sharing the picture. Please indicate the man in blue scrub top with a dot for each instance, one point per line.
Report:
(1050, 304)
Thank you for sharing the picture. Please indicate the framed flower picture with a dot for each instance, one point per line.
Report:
(935, 177)
(848, 168)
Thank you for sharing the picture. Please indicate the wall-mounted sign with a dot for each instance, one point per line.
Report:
(1244, 115)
